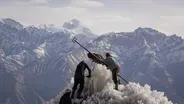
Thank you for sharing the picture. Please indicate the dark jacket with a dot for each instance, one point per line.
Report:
(79, 72)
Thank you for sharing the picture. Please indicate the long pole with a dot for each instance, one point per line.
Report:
(75, 41)
(123, 79)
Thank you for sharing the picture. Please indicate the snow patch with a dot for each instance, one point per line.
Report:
(40, 50)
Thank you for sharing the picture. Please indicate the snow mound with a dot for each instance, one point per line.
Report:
(99, 89)
(132, 93)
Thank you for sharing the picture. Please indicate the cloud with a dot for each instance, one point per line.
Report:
(86, 3)
(100, 16)
(59, 3)
(173, 24)
(39, 1)
(164, 15)
(50, 3)
(98, 22)
(33, 14)
(113, 18)
(11, 2)
(14, 0)
(174, 3)
(156, 7)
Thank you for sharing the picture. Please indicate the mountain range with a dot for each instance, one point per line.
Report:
(36, 63)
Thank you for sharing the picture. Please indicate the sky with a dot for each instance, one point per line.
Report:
(101, 16)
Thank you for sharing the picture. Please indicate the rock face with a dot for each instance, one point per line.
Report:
(36, 64)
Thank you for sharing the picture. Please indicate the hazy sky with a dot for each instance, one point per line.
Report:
(100, 16)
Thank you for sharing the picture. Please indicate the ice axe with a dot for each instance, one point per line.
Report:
(74, 40)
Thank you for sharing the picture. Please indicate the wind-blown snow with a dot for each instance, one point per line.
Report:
(99, 89)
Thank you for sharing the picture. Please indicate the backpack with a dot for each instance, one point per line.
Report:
(65, 99)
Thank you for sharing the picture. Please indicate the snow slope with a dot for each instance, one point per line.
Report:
(99, 89)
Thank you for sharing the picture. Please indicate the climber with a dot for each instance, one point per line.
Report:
(65, 99)
(113, 66)
(95, 57)
(79, 78)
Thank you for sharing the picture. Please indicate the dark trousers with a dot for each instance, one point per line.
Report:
(115, 78)
(76, 83)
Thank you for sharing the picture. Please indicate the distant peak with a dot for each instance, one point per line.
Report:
(176, 38)
(76, 27)
(139, 28)
(12, 23)
(145, 29)
(148, 30)
(45, 25)
(7, 19)
(74, 21)
(71, 24)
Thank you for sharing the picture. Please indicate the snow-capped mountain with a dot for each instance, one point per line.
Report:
(52, 28)
(12, 23)
(49, 27)
(36, 64)
(76, 27)
(145, 56)
(73, 27)
(30, 59)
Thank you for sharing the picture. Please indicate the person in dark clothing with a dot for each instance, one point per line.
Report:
(79, 78)
(65, 99)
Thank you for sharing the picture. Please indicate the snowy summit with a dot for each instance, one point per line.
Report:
(12, 23)
(75, 26)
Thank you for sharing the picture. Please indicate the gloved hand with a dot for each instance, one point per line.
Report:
(89, 76)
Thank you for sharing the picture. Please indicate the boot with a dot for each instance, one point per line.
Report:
(79, 95)
(73, 92)
(119, 81)
(116, 86)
